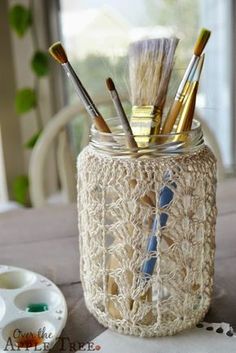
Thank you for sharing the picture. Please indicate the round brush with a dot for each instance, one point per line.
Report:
(187, 111)
(58, 53)
(185, 83)
(121, 114)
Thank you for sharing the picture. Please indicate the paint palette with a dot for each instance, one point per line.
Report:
(33, 311)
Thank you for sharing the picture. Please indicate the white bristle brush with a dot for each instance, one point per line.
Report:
(150, 66)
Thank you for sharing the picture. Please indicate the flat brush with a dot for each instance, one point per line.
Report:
(150, 66)
(121, 114)
(58, 53)
(184, 85)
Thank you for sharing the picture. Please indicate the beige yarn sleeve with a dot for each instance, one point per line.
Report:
(114, 224)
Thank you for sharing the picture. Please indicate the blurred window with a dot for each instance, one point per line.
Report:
(97, 36)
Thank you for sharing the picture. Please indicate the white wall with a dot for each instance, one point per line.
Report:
(3, 182)
(217, 78)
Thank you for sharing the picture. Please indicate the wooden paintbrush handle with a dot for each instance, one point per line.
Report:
(171, 118)
(146, 199)
(132, 143)
(112, 289)
(100, 124)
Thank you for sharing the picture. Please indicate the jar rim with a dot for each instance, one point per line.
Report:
(116, 143)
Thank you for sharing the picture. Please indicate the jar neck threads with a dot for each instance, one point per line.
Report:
(115, 144)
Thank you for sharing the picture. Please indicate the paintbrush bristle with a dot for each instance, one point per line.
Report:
(150, 66)
(110, 84)
(201, 41)
(58, 53)
(170, 47)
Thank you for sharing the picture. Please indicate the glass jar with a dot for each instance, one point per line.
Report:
(147, 230)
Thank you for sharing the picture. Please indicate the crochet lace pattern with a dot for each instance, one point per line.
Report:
(115, 223)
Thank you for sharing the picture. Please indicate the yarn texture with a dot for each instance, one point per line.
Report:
(119, 199)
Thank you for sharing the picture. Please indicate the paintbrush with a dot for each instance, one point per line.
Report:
(58, 53)
(166, 193)
(131, 143)
(150, 66)
(112, 287)
(185, 83)
(186, 116)
(165, 199)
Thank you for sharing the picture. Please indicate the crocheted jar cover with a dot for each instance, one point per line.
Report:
(118, 202)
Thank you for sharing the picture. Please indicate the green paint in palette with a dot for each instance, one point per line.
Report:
(37, 307)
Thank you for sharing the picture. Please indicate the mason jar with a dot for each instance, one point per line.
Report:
(147, 230)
